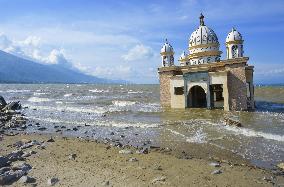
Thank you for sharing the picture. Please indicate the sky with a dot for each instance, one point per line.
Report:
(121, 39)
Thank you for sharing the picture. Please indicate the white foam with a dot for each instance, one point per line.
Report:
(38, 99)
(97, 110)
(198, 137)
(252, 133)
(38, 93)
(17, 91)
(99, 91)
(123, 103)
(101, 123)
(68, 95)
(133, 92)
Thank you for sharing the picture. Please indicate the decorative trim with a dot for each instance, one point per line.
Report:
(235, 42)
(204, 46)
(167, 53)
(204, 53)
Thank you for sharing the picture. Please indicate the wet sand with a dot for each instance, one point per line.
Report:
(99, 164)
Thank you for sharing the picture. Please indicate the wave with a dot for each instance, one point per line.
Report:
(68, 95)
(38, 93)
(99, 91)
(198, 137)
(101, 123)
(123, 103)
(134, 92)
(38, 99)
(16, 91)
(252, 133)
(97, 110)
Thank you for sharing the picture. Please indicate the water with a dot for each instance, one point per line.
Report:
(109, 111)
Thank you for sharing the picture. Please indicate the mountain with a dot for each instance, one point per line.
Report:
(14, 69)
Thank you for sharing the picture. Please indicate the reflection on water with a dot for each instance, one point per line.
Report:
(134, 111)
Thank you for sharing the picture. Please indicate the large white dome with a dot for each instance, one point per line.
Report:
(203, 35)
(203, 45)
(234, 35)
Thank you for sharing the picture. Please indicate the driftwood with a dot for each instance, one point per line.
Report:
(233, 122)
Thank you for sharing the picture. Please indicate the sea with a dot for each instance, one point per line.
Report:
(132, 114)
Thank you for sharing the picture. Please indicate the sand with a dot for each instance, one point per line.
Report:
(98, 164)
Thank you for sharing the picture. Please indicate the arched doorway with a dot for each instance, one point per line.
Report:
(197, 97)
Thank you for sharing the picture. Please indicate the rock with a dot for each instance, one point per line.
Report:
(14, 105)
(26, 154)
(4, 169)
(15, 155)
(159, 179)
(50, 140)
(125, 151)
(52, 181)
(215, 164)
(10, 177)
(105, 183)
(21, 166)
(27, 145)
(158, 167)
(35, 142)
(72, 156)
(41, 129)
(133, 159)
(26, 179)
(3, 103)
(3, 161)
(281, 165)
(216, 172)
(143, 151)
(32, 152)
(233, 122)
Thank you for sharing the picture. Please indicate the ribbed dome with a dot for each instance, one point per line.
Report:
(167, 48)
(182, 56)
(203, 45)
(234, 35)
(203, 35)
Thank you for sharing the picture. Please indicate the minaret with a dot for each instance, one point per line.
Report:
(167, 54)
(234, 44)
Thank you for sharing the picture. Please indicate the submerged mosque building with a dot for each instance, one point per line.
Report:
(202, 80)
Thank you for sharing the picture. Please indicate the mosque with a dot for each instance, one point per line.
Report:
(202, 80)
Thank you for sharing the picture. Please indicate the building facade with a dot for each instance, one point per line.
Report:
(202, 80)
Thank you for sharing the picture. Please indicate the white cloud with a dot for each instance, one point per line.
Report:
(30, 48)
(138, 52)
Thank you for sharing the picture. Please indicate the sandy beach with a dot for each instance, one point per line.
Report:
(78, 162)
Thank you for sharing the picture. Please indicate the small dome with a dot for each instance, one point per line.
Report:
(182, 56)
(167, 48)
(234, 35)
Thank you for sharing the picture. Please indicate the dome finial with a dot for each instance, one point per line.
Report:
(201, 20)
(166, 40)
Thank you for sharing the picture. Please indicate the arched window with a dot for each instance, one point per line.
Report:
(234, 51)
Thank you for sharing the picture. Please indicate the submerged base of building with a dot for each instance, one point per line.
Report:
(226, 84)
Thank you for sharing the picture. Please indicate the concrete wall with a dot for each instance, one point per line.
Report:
(249, 79)
(221, 78)
(165, 95)
(177, 101)
(237, 87)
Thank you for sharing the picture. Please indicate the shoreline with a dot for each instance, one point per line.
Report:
(99, 164)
